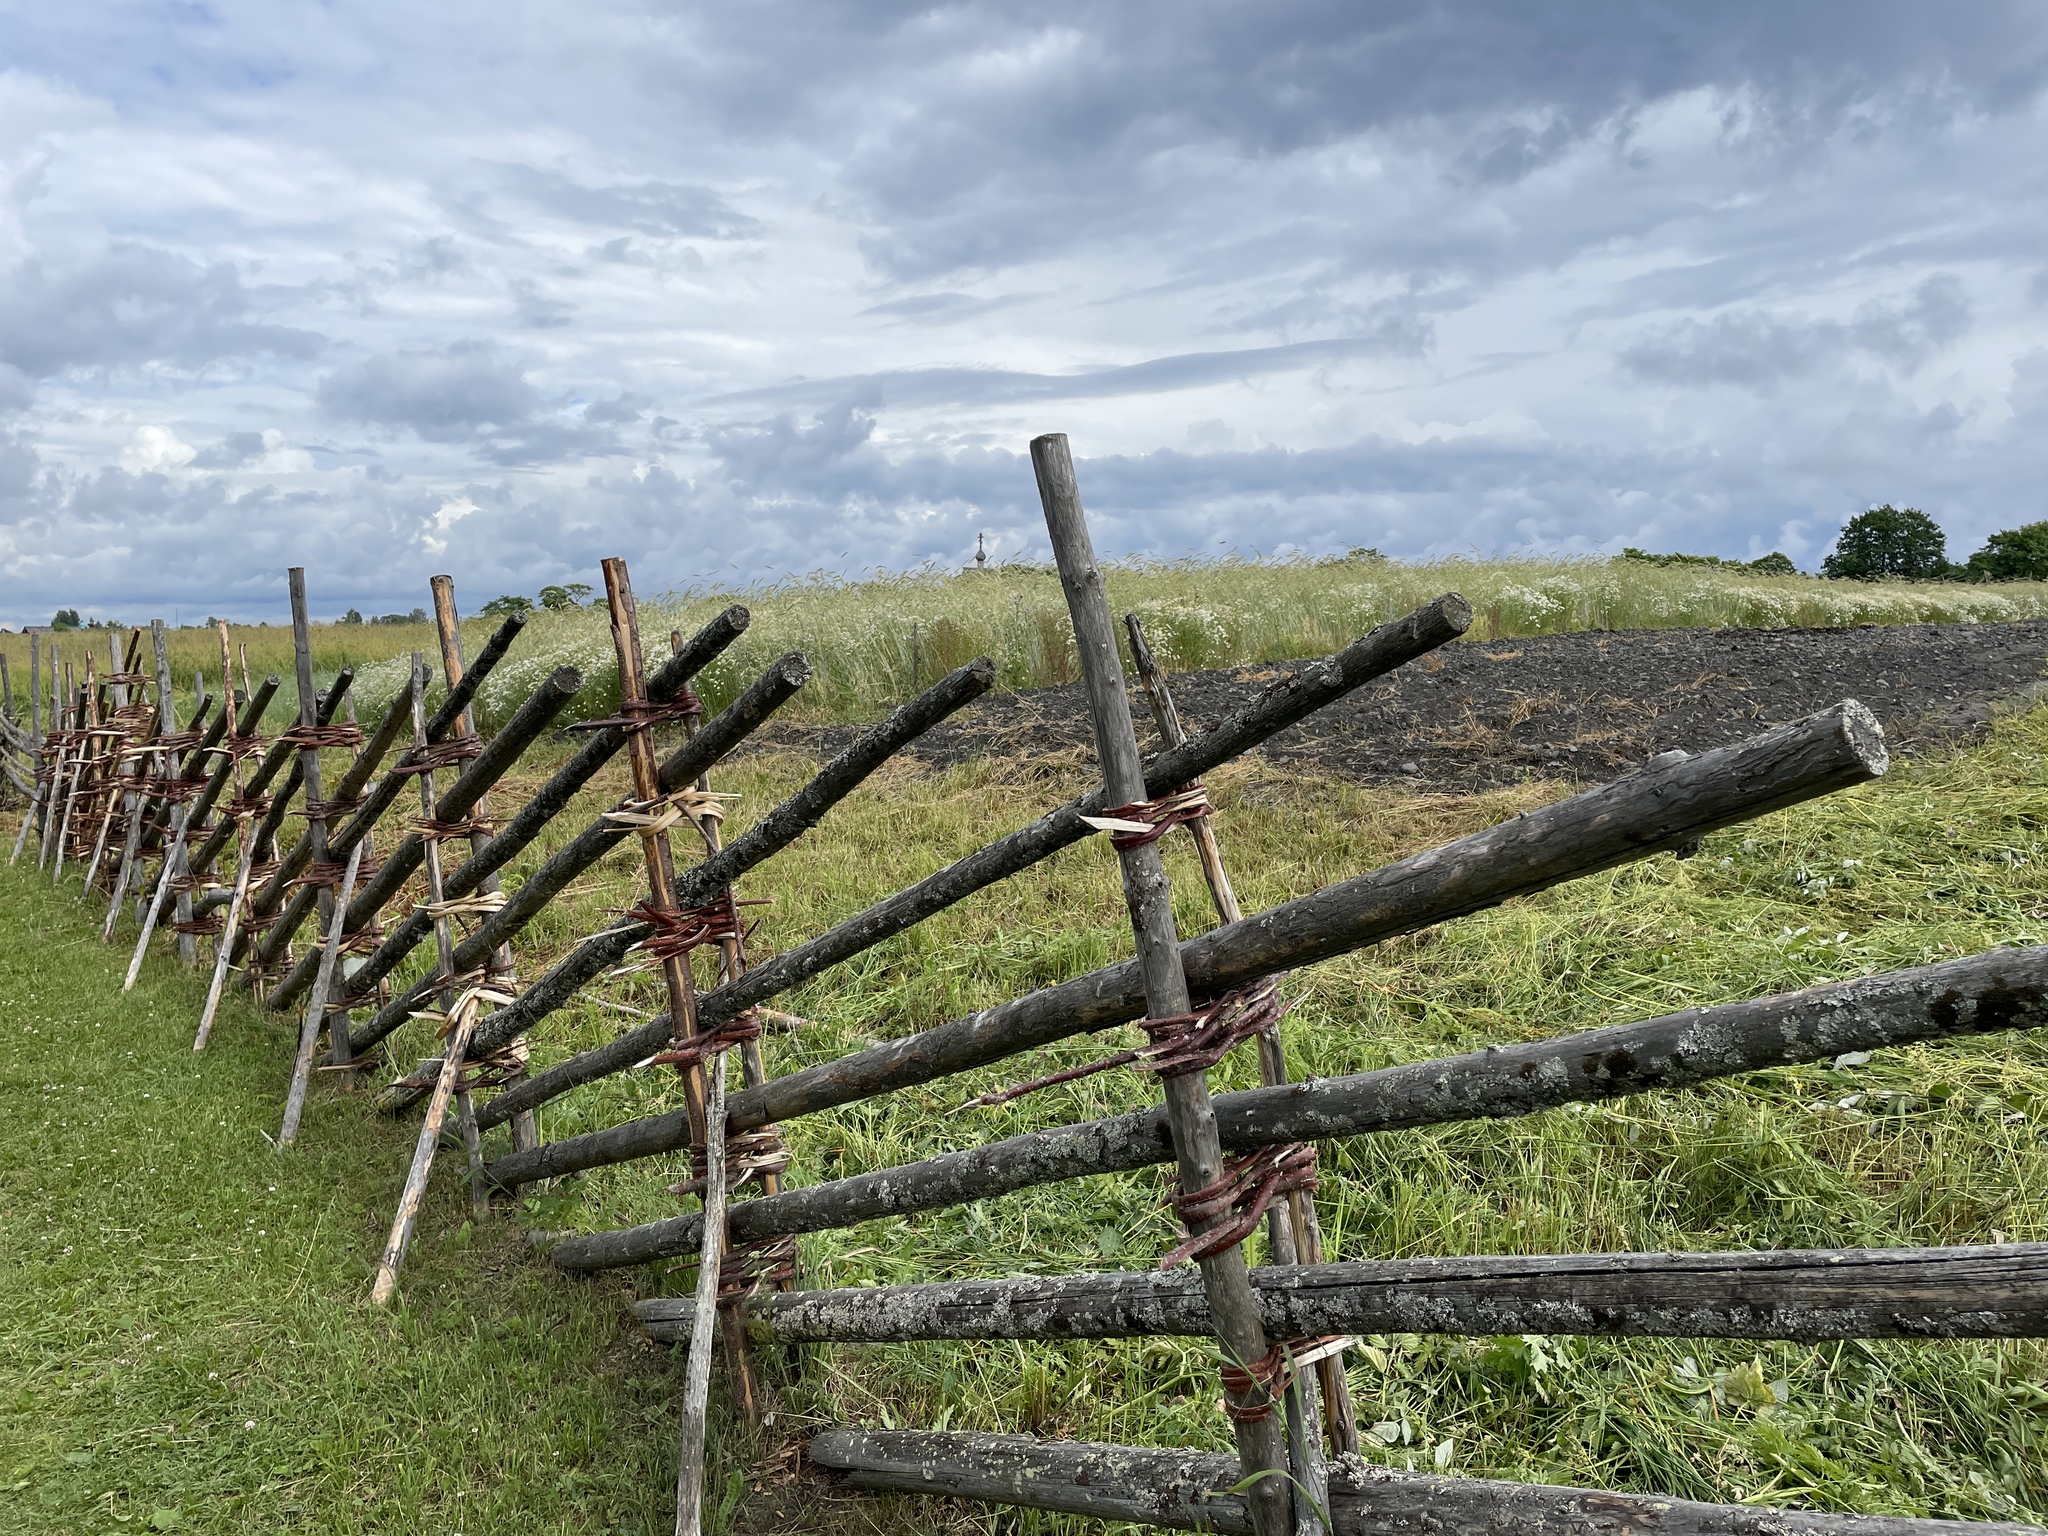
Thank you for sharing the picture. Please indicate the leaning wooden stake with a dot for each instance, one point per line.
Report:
(35, 730)
(309, 762)
(1262, 1453)
(309, 1032)
(82, 727)
(1297, 1237)
(650, 804)
(138, 812)
(245, 855)
(457, 1015)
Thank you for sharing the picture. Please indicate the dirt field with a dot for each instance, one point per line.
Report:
(1582, 706)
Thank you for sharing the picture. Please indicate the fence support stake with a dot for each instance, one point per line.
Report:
(1262, 1452)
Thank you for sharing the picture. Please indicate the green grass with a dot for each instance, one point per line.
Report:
(175, 1280)
(872, 639)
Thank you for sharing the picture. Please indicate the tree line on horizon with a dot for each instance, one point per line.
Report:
(1898, 543)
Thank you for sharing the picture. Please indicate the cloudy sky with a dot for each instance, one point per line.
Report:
(736, 290)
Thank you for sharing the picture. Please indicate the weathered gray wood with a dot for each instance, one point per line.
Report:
(315, 838)
(1992, 1291)
(1293, 1234)
(1283, 704)
(309, 1028)
(1148, 898)
(732, 725)
(2005, 989)
(529, 722)
(279, 757)
(454, 668)
(30, 817)
(772, 833)
(1669, 804)
(387, 789)
(1185, 1490)
(517, 834)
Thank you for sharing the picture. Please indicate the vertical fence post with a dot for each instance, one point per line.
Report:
(309, 764)
(707, 1119)
(1198, 1151)
(525, 1133)
(1296, 1236)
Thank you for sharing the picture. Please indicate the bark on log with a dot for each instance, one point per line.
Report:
(773, 832)
(277, 757)
(445, 719)
(1148, 899)
(2005, 989)
(1185, 1490)
(295, 777)
(528, 723)
(517, 834)
(720, 735)
(1285, 703)
(1979, 1292)
(1668, 804)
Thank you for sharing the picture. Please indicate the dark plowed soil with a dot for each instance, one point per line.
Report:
(1586, 706)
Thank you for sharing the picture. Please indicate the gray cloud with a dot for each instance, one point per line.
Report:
(1756, 350)
(444, 395)
(735, 290)
(650, 207)
(130, 305)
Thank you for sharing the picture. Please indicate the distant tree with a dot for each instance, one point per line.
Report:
(65, 618)
(506, 607)
(1774, 564)
(564, 599)
(353, 616)
(1889, 541)
(417, 616)
(2012, 554)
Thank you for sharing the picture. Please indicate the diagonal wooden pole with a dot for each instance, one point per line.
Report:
(35, 730)
(245, 854)
(459, 1028)
(138, 812)
(60, 721)
(81, 727)
(525, 1133)
(1262, 1450)
(309, 759)
(682, 1004)
(1296, 1235)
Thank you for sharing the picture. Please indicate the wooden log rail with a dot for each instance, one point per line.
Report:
(277, 757)
(1282, 1490)
(720, 735)
(2005, 989)
(1189, 1491)
(775, 831)
(533, 717)
(1671, 803)
(518, 833)
(1284, 703)
(265, 834)
(1992, 1291)
(382, 797)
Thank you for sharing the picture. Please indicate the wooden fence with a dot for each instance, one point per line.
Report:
(147, 811)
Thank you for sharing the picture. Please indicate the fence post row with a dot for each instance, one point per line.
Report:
(112, 770)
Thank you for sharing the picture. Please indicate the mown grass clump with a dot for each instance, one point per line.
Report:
(197, 1299)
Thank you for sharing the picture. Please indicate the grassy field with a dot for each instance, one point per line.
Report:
(186, 1343)
(870, 639)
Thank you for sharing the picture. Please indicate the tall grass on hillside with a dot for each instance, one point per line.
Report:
(862, 635)
(872, 641)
